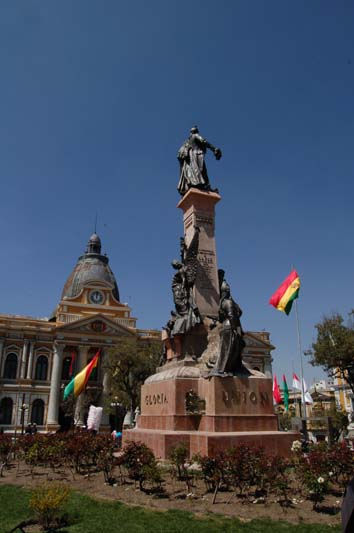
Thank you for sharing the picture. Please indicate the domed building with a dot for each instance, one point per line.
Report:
(38, 357)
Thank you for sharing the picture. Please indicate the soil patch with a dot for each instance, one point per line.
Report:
(175, 497)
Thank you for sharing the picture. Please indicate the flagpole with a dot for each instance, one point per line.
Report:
(295, 397)
(303, 403)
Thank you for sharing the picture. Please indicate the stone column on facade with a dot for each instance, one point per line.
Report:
(54, 395)
(199, 210)
(105, 390)
(79, 407)
(24, 358)
(30, 361)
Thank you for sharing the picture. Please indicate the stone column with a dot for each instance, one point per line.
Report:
(105, 391)
(24, 358)
(54, 395)
(198, 210)
(30, 361)
(79, 407)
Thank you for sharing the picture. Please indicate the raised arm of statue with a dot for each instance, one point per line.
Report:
(207, 144)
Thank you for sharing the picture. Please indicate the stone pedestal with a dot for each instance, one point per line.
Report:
(237, 409)
(199, 210)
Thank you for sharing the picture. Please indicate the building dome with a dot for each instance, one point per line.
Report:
(90, 267)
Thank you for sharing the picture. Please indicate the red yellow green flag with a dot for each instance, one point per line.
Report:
(288, 291)
(79, 382)
(285, 394)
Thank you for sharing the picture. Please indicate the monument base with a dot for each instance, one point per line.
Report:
(232, 410)
(207, 443)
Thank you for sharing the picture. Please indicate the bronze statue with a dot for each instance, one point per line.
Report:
(191, 158)
(187, 314)
(229, 359)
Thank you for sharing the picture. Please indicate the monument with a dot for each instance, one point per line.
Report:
(203, 394)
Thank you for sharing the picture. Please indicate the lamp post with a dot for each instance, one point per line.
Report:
(116, 405)
(23, 409)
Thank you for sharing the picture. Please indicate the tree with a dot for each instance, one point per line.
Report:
(334, 347)
(128, 365)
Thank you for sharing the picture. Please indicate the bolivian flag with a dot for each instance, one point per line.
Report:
(79, 382)
(288, 291)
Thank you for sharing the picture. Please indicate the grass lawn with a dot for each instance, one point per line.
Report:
(96, 516)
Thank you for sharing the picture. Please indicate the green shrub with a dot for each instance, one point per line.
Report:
(141, 464)
(178, 456)
(47, 502)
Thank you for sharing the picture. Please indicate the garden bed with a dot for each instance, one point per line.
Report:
(184, 486)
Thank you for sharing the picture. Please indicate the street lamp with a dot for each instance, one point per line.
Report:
(116, 405)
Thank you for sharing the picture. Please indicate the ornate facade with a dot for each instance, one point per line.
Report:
(38, 357)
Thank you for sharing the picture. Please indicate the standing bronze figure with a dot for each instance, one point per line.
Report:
(229, 359)
(187, 314)
(191, 158)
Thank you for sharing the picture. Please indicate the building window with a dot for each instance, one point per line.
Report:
(6, 405)
(37, 414)
(93, 375)
(66, 371)
(10, 369)
(256, 368)
(41, 368)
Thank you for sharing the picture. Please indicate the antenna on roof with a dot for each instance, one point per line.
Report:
(95, 231)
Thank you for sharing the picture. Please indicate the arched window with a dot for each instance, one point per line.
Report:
(37, 413)
(256, 368)
(41, 368)
(6, 405)
(94, 373)
(65, 373)
(10, 368)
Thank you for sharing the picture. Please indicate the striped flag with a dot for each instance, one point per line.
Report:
(71, 368)
(296, 382)
(307, 396)
(276, 391)
(285, 394)
(79, 382)
(288, 291)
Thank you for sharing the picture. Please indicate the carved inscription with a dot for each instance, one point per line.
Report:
(253, 397)
(155, 399)
(264, 398)
(200, 219)
(238, 397)
(207, 268)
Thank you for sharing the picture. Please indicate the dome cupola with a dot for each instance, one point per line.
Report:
(92, 267)
(94, 245)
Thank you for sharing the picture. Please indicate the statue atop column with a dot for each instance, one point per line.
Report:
(191, 158)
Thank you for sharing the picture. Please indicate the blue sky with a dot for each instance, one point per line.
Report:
(95, 100)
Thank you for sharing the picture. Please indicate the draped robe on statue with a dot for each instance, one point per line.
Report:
(193, 168)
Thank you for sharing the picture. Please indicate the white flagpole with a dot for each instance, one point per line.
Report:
(304, 413)
(295, 393)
